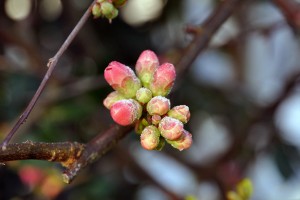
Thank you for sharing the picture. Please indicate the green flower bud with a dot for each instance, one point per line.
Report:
(163, 80)
(158, 105)
(170, 128)
(182, 113)
(108, 10)
(155, 119)
(150, 137)
(96, 10)
(112, 98)
(139, 108)
(184, 142)
(143, 95)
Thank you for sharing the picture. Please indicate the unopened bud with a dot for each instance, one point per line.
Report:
(122, 79)
(182, 113)
(143, 95)
(155, 119)
(170, 128)
(96, 10)
(150, 137)
(145, 67)
(184, 142)
(112, 98)
(163, 80)
(139, 108)
(108, 10)
(125, 112)
(158, 105)
(119, 3)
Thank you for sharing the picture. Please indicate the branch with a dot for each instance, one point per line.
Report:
(72, 155)
(64, 152)
(95, 149)
(291, 11)
(205, 33)
(51, 66)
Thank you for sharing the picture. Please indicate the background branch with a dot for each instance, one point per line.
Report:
(291, 11)
(205, 32)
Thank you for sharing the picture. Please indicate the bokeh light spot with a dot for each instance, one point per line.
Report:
(138, 12)
(17, 9)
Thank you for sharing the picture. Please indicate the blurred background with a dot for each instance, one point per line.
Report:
(239, 127)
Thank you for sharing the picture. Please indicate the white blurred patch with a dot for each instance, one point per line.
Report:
(268, 182)
(195, 11)
(269, 59)
(17, 56)
(167, 171)
(208, 191)
(288, 119)
(211, 139)
(226, 32)
(150, 192)
(266, 179)
(263, 14)
(138, 12)
(213, 67)
(17, 9)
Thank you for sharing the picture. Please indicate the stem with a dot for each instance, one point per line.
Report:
(64, 152)
(205, 34)
(95, 149)
(51, 66)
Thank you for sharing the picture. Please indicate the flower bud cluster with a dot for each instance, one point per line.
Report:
(141, 100)
(107, 8)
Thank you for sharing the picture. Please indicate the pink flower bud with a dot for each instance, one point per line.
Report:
(122, 79)
(158, 105)
(184, 142)
(155, 119)
(163, 80)
(182, 113)
(143, 95)
(170, 128)
(112, 98)
(126, 111)
(145, 66)
(150, 137)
